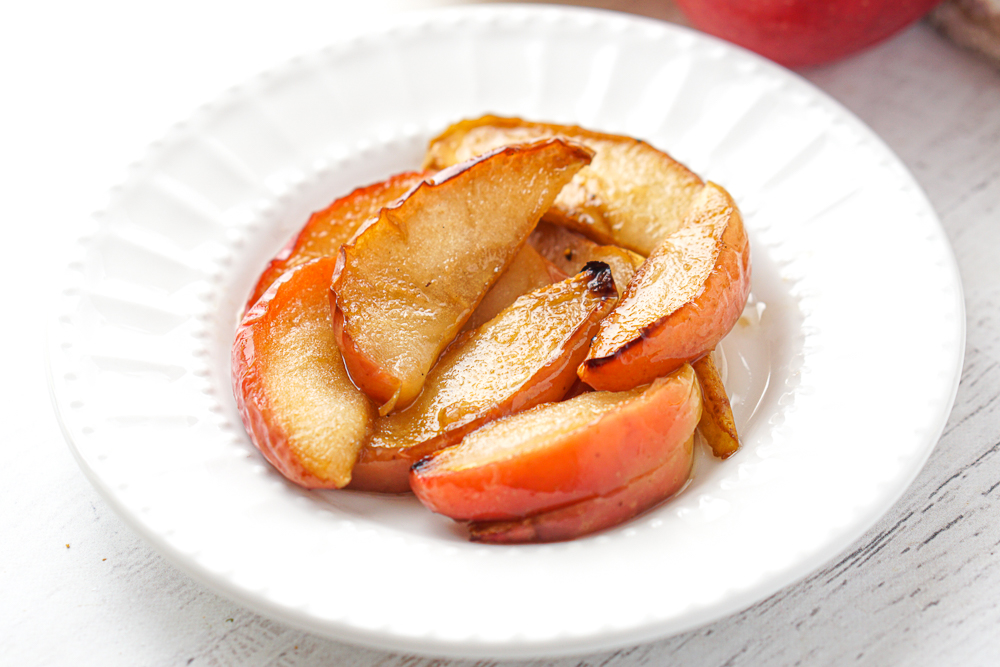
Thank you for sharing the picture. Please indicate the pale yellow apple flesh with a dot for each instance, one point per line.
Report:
(528, 270)
(408, 282)
(527, 355)
(631, 195)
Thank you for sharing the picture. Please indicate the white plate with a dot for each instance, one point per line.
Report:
(841, 388)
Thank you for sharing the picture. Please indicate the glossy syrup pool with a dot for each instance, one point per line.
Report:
(757, 358)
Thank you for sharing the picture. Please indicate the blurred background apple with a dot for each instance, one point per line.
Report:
(799, 33)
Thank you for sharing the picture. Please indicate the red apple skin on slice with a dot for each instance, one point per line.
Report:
(293, 393)
(526, 355)
(334, 226)
(588, 516)
(681, 302)
(409, 280)
(560, 453)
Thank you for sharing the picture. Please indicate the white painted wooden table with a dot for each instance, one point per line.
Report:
(87, 86)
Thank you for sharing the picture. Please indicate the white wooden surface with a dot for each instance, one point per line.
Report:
(87, 86)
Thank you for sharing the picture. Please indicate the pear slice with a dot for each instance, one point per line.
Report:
(526, 355)
(292, 390)
(409, 280)
(631, 195)
(681, 302)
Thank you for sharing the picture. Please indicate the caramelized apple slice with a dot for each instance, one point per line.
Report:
(593, 514)
(682, 301)
(334, 226)
(408, 282)
(528, 271)
(631, 195)
(525, 356)
(717, 425)
(292, 390)
(569, 251)
(561, 453)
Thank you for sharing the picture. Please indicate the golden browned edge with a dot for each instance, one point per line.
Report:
(717, 424)
(650, 330)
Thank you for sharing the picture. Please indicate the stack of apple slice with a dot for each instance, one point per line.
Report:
(519, 334)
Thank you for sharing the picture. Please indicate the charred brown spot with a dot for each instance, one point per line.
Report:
(601, 281)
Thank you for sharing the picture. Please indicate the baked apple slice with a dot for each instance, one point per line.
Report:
(334, 226)
(561, 453)
(528, 271)
(593, 514)
(631, 195)
(408, 282)
(717, 425)
(527, 355)
(292, 390)
(569, 251)
(681, 302)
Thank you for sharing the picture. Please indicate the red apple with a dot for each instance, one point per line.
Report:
(596, 513)
(799, 33)
(557, 454)
(292, 390)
